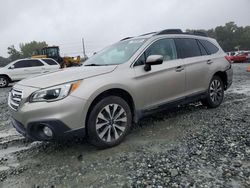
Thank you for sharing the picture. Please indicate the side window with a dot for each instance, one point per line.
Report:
(187, 47)
(164, 47)
(28, 63)
(20, 64)
(202, 49)
(34, 63)
(210, 48)
(141, 60)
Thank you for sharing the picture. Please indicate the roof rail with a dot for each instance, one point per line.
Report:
(126, 38)
(170, 31)
(179, 31)
(147, 34)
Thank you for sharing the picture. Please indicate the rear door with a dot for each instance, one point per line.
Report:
(163, 83)
(196, 63)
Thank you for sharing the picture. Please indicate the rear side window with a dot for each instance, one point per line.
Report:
(187, 48)
(28, 63)
(210, 48)
(34, 63)
(50, 61)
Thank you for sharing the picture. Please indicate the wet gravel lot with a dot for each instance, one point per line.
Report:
(189, 146)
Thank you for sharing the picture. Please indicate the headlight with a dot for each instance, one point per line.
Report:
(54, 93)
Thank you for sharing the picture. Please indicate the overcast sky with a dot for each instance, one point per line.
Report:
(102, 22)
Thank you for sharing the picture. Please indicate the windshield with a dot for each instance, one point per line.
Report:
(116, 54)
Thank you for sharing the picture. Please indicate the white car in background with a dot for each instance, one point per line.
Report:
(23, 68)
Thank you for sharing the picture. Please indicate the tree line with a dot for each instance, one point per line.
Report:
(230, 36)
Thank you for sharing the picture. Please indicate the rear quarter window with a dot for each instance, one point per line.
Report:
(50, 61)
(210, 48)
(202, 49)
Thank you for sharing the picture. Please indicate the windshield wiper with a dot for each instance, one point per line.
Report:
(93, 64)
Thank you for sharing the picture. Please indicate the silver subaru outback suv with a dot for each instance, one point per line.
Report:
(119, 85)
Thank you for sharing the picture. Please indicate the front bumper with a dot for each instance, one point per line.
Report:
(59, 129)
(64, 117)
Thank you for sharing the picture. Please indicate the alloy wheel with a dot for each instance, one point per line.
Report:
(111, 122)
(3, 82)
(216, 91)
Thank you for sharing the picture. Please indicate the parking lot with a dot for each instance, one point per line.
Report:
(186, 146)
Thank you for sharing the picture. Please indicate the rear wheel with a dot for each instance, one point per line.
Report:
(109, 122)
(4, 81)
(215, 93)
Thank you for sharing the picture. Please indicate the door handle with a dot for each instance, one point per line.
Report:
(179, 68)
(209, 61)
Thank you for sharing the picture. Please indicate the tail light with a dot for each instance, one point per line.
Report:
(229, 61)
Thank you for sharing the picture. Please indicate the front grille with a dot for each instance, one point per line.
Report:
(15, 98)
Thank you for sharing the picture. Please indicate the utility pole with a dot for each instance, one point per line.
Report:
(83, 48)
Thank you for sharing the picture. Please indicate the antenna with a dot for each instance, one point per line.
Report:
(83, 48)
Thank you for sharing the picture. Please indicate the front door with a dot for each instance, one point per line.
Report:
(163, 83)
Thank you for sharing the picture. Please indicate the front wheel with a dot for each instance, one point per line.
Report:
(215, 93)
(109, 122)
(4, 81)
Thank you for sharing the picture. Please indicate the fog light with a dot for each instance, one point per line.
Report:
(47, 131)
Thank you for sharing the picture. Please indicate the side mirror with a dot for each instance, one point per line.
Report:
(153, 60)
(12, 67)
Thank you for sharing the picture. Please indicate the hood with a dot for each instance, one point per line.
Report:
(1, 69)
(66, 75)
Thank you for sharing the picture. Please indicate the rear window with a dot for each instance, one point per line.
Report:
(187, 48)
(210, 48)
(50, 61)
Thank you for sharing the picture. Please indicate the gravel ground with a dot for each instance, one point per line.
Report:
(189, 146)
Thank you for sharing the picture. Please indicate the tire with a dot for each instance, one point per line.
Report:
(4, 81)
(109, 122)
(215, 93)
